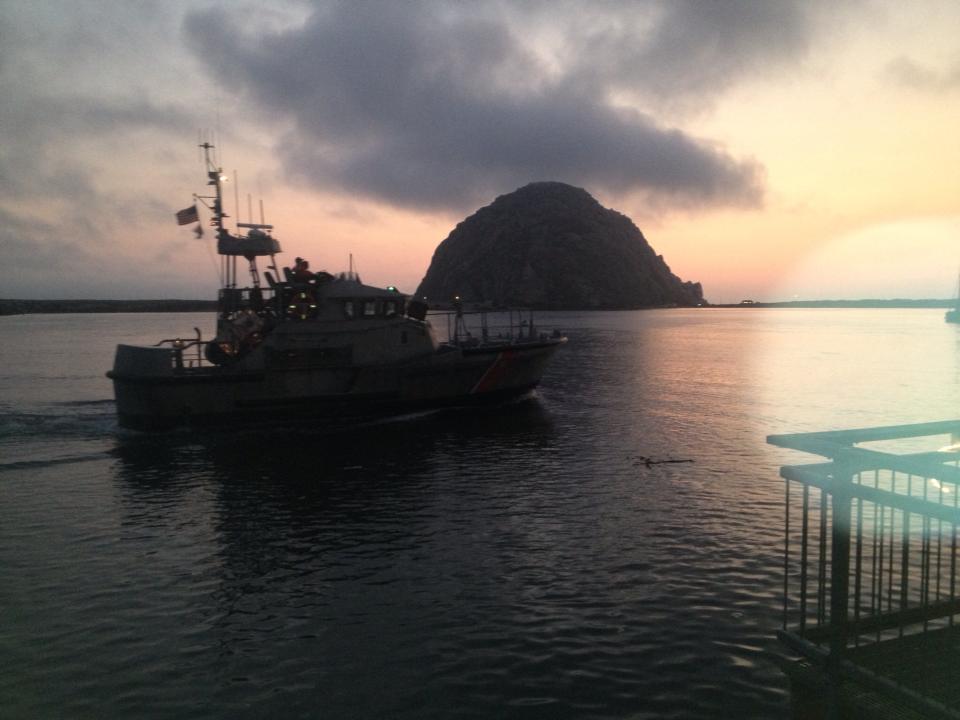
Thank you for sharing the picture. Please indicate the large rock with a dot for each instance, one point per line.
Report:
(551, 245)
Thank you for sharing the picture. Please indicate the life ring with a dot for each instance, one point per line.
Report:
(220, 353)
(302, 306)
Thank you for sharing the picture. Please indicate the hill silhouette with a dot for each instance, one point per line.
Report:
(551, 245)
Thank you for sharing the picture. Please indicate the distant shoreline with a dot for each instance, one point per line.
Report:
(30, 307)
(895, 303)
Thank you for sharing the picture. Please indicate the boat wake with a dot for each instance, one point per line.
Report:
(57, 424)
(106, 402)
(49, 462)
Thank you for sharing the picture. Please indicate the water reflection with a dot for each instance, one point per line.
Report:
(278, 481)
(340, 548)
(306, 458)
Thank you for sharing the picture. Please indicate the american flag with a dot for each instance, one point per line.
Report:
(188, 215)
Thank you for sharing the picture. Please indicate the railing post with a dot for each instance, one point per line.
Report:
(840, 571)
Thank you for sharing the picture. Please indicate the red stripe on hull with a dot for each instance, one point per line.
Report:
(494, 374)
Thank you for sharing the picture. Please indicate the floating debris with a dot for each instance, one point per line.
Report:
(644, 460)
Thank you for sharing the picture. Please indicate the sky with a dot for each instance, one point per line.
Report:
(769, 150)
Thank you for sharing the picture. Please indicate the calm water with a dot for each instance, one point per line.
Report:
(518, 562)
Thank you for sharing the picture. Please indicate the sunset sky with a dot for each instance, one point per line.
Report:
(768, 150)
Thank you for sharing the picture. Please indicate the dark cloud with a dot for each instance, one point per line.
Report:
(690, 49)
(442, 105)
(42, 256)
(47, 130)
(908, 73)
(85, 90)
(52, 259)
(80, 77)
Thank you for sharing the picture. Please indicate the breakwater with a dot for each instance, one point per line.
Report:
(24, 307)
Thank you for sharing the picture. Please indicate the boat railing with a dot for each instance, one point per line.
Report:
(466, 328)
(186, 353)
(260, 300)
(266, 301)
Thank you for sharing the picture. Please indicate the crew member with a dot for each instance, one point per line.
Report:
(301, 271)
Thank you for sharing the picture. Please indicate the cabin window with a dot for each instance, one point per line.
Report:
(348, 309)
(369, 308)
(390, 308)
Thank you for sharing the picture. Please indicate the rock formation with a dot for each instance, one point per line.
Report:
(550, 245)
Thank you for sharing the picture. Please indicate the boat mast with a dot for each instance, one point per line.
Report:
(215, 177)
(228, 264)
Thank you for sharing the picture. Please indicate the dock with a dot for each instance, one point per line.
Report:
(871, 614)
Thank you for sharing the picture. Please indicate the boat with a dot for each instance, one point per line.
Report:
(295, 344)
(953, 315)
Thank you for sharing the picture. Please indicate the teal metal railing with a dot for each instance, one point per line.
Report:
(870, 549)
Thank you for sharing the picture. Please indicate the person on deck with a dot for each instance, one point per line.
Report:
(301, 271)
